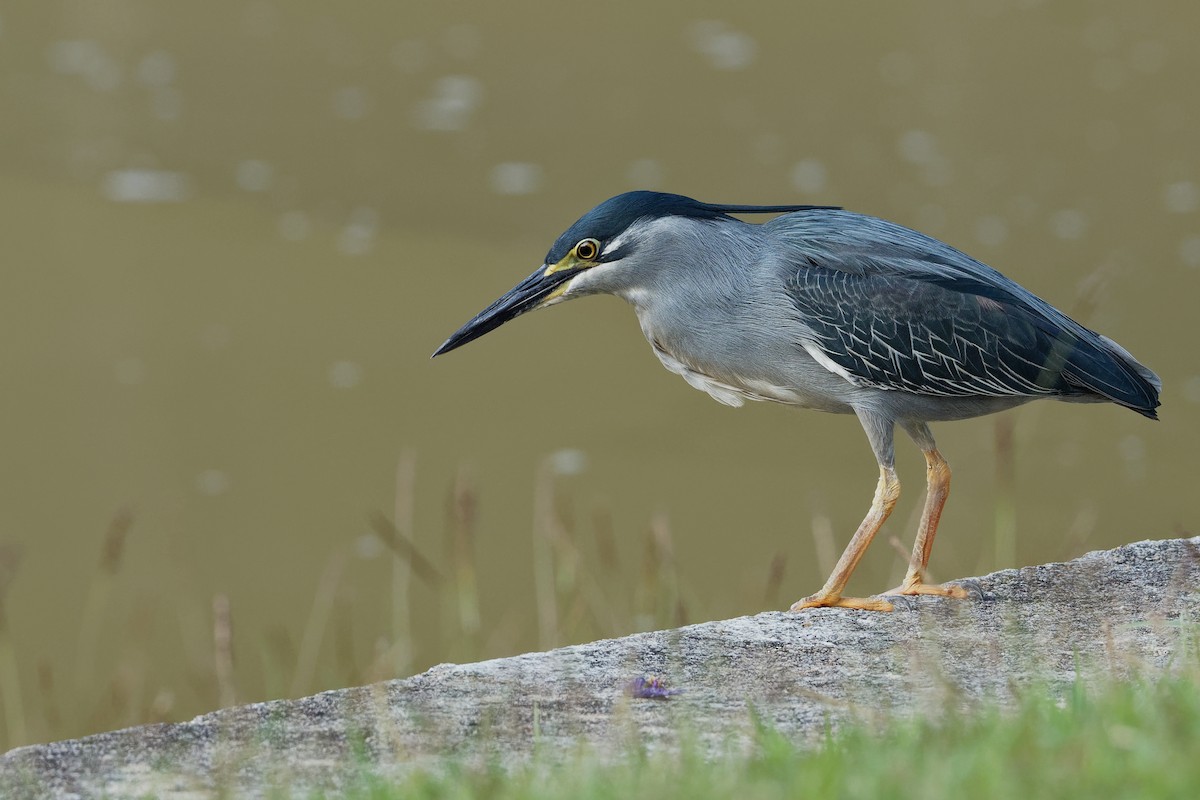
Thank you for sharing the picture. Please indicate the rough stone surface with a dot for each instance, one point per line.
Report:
(1107, 611)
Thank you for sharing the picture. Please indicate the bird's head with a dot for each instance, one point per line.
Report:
(601, 253)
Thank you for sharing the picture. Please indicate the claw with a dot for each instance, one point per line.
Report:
(974, 590)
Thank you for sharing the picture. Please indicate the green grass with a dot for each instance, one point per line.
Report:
(1138, 739)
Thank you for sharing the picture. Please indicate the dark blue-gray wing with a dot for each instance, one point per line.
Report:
(897, 310)
(897, 333)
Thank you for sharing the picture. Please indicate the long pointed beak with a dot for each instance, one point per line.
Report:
(525, 296)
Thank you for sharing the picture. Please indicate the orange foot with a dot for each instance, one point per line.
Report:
(936, 589)
(834, 601)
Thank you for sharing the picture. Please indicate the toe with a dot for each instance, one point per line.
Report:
(932, 589)
(833, 601)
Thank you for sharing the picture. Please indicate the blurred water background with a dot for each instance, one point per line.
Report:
(231, 234)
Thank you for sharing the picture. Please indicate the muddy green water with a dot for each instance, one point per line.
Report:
(232, 233)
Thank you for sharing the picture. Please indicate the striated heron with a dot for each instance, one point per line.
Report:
(827, 309)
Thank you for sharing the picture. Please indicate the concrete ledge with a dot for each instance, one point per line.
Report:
(1107, 611)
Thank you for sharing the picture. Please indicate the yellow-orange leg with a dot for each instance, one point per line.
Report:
(937, 476)
(886, 493)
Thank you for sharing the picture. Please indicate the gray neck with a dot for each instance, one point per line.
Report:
(689, 282)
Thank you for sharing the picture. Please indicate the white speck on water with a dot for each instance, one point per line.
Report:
(1132, 447)
(365, 215)
(645, 173)
(345, 375)
(1133, 452)
(809, 176)
(918, 147)
(146, 186)
(724, 47)
(351, 102)
(86, 58)
(454, 99)
(1181, 197)
(568, 461)
(1069, 223)
(1189, 250)
(163, 704)
(356, 240)
(357, 236)
(130, 371)
(368, 546)
(937, 173)
(156, 69)
(70, 56)
(516, 177)
(254, 175)
(768, 148)
(213, 482)
(991, 230)
(294, 226)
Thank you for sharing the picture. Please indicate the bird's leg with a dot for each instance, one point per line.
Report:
(886, 493)
(937, 476)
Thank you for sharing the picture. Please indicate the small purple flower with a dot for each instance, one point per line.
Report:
(649, 686)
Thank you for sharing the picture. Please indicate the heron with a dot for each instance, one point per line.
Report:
(828, 309)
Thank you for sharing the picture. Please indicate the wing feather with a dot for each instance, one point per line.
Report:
(899, 310)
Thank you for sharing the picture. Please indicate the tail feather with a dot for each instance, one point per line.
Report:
(1104, 367)
(1145, 372)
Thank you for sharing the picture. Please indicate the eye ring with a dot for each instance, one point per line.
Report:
(587, 250)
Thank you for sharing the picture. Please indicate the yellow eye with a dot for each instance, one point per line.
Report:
(587, 250)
